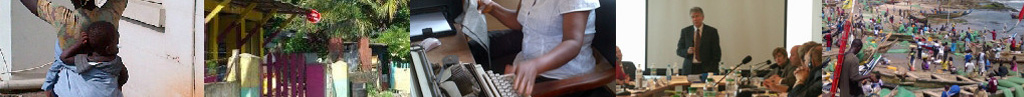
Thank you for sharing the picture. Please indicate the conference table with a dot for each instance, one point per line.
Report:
(682, 81)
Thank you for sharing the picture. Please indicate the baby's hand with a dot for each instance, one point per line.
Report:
(82, 37)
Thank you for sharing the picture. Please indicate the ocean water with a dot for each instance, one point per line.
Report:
(994, 19)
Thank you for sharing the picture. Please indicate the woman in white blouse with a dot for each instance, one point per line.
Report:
(556, 38)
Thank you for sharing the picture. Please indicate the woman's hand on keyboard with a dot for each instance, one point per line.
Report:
(525, 76)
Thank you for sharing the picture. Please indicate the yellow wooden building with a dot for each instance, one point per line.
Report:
(238, 24)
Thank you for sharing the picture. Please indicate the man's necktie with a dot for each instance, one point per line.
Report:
(696, 45)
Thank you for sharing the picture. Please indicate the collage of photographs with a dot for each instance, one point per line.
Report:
(511, 48)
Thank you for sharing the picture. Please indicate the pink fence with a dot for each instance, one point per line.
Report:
(293, 76)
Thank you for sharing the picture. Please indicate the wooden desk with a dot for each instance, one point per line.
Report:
(457, 45)
(677, 81)
(659, 91)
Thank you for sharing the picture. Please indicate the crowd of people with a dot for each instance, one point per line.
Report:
(932, 47)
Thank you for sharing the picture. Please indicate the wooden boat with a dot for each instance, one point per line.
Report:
(1006, 56)
(945, 14)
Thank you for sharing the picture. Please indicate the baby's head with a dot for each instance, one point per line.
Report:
(102, 38)
(86, 4)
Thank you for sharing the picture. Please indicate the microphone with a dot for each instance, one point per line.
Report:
(746, 60)
(733, 70)
(766, 62)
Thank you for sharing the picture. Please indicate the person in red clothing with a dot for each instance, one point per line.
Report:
(620, 76)
(993, 84)
(828, 41)
(993, 34)
(1013, 44)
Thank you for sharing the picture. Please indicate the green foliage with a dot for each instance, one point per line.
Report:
(295, 44)
(305, 43)
(397, 39)
(272, 25)
(361, 18)
(211, 67)
(384, 21)
(372, 91)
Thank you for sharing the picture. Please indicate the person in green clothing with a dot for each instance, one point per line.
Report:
(974, 36)
(913, 29)
(902, 27)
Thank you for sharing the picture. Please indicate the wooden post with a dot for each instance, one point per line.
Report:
(246, 39)
(241, 33)
(212, 39)
(213, 13)
(241, 24)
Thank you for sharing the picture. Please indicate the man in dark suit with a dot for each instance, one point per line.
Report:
(698, 44)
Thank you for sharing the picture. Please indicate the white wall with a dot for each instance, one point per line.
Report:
(5, 37)
(815, 17)
(745, 27)
(805, 23)
(629, 31)
(167, 62)
(198, 47)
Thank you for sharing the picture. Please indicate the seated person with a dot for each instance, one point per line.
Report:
(620, 75)
(807, 84)
(1002, 71)
(91, 67)
(781, 61)
(556, 42)
(782, 79)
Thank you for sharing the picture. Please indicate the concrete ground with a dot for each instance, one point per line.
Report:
(26, 94)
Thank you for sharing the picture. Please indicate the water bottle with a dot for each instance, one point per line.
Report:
(668, 73)
(711, 87)
(705, 90)
(654, 71)
(673, 68)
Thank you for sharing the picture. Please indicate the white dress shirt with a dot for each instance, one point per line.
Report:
(542, 31)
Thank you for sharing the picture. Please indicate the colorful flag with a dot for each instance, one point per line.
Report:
(849, 4)
(1020, 15)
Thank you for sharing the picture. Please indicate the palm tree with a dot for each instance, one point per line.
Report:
(385, 21)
